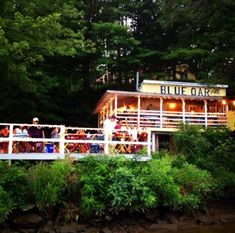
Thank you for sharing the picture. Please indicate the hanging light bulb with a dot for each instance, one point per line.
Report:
(224, 102)
(172, 105)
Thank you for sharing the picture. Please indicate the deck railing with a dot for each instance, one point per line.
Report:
(73, 141)
(171, 119)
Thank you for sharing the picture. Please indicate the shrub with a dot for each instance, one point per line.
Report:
(129, 191)
(190, 142)
(47, 182)
(6, 204)
(162, 182)
(212, 149)
(94, 177)
(112, 185)
(13, 180)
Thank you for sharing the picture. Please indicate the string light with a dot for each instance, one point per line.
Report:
(224, 102)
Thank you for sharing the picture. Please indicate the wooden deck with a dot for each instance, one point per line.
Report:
(72, 141)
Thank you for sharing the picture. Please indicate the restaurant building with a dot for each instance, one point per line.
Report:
(161, 106)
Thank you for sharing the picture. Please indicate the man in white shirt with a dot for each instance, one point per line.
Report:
(108, 126)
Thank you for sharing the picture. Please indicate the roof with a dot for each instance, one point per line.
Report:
(189, 84)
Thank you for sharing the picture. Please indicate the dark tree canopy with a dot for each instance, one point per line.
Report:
(53, 52)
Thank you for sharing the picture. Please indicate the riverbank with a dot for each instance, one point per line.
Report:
(219, 215)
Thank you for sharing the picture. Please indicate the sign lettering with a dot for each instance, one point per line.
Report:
(184, 91)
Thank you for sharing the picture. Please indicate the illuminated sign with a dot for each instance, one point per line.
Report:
(183, 88)
(194, 91)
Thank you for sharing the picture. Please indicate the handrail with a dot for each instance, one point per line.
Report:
(91, 141)
(171, 119)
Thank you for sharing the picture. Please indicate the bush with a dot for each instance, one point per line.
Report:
(129, 191)
(195, 186)
(13, 180)
(112, 185)
(47, 182)
(177, 184)
(211, 149)
(6, 205)
(162, 182)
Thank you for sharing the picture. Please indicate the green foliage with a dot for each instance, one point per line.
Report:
(162, 182)
(190, 142)
(129, 191)
(6, 204)
(51, 51)
(213, 150)
(13, 180)
(47, 182)
(105, 185)
(188, 53)
(113, 185)
(195, 184)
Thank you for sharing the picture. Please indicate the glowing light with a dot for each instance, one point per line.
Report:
(224, 102)
(172, 105)
(234, 103)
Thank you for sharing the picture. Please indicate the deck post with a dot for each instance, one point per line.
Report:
(206, 116)
(111, 107)
(183, 110)
(10, 141)
(161, 107)
(138, 113)
(106, 145)
(62, 141)
(149, 143)
(153, 142)
(115, 105)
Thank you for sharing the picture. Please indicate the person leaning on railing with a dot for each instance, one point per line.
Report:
(4, 132)
(4, 145)
(21, 131)
(37, 132)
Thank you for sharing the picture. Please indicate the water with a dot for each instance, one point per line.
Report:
(228, 228)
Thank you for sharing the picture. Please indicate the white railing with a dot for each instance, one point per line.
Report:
(20, 143)
(171, 119)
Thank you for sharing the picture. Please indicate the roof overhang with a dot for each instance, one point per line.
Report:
(109, 94)
(185, 84)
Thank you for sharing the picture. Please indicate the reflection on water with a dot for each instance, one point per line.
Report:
(210, 229)
(228, 228)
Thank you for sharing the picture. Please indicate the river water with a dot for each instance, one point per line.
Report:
(228, 228)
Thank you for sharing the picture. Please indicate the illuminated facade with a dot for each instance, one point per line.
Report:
(162, 105)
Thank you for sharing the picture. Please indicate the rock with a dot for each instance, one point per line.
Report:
(48, 228)
(163, 227)
(153, 216)
(137, 229)
(106, 230)
(7, 230)
(27, 221)
(70, 228)
(172, 219)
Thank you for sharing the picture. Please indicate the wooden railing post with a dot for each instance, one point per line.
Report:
(206, 114)
(149, 143)
(183, 110)
(62, 141)
(161, 108)
(10, 142)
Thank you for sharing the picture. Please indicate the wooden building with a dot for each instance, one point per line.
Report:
(162, 105)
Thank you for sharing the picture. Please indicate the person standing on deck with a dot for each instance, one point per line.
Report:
(108, 127)
(37, 132)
